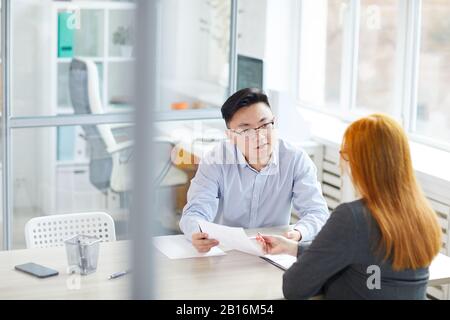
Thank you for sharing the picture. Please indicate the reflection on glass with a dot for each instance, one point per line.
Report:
(179, 147)
(376, 61)
(433, 111)
(65, 103)
(120, 86)
(121, 33)
(321, 52)
(194, 54)
(59, 32)
(1, 143)
(71, 169)
(88, 39)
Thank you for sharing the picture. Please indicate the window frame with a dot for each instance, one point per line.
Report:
(406, 70)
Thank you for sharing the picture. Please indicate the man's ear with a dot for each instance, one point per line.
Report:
(229, 135)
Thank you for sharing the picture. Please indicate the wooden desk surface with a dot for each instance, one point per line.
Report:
(235, 275)
(18, 285)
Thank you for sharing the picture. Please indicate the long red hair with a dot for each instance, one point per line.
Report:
(377, 151)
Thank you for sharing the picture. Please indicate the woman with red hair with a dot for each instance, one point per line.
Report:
(377, 247)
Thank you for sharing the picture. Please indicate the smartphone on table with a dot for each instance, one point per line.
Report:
(36, 270)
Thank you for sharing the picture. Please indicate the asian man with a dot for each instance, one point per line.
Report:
(253, 179)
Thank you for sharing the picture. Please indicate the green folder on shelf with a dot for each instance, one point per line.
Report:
(65, 35)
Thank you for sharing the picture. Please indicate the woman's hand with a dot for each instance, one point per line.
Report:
(277, 245)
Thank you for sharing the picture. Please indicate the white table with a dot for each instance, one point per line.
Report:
(235, 275)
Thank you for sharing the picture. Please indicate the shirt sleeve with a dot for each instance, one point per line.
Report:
(307, 199)
(331, 251)
(202, 198)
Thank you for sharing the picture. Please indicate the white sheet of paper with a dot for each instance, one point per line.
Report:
(178, 247)
(232, 238)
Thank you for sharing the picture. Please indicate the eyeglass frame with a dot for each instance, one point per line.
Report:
(245, 132)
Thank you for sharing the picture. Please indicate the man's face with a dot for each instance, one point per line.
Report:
(255, 145)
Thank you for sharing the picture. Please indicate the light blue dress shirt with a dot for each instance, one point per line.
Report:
(228, 191)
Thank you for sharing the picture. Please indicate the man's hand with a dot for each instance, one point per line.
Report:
(278, 245)
(201, 242)
(293, 235)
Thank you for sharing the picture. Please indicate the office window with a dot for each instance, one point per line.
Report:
(330, 34)
(68, 169)
(194, 54)
(321, 42)
(373, 83)
(378, 26)
(433, 101)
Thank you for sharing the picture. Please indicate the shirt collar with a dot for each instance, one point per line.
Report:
(273, 165)
(270, 168)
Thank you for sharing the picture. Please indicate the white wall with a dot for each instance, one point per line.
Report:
(266, 30)
(251, 28)
(193, 50)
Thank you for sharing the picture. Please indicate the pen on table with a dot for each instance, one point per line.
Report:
(118, 274)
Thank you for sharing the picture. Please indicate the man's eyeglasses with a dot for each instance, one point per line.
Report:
(252, 131)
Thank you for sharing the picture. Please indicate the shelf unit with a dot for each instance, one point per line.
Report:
(98, 21)
(94, 40)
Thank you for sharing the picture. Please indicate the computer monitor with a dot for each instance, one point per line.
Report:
(249, 72)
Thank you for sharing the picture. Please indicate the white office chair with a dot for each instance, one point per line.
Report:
(109, 165)
(167, 177)
(53, 230)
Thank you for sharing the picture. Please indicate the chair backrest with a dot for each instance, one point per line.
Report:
(53, 230)
(84, 75)
(84, 93)
(162, 157)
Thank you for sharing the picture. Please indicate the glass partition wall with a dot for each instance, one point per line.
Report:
(68, 114)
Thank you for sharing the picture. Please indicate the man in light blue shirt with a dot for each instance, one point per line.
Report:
(253, 179)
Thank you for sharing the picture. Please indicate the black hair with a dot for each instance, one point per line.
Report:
(241, 99)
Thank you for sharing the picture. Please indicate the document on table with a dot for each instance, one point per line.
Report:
(231, 238)
(178, 247)
(237, 239)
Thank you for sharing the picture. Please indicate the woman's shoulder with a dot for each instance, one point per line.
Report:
(351, 209)
(358, 214)
(354, 211)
